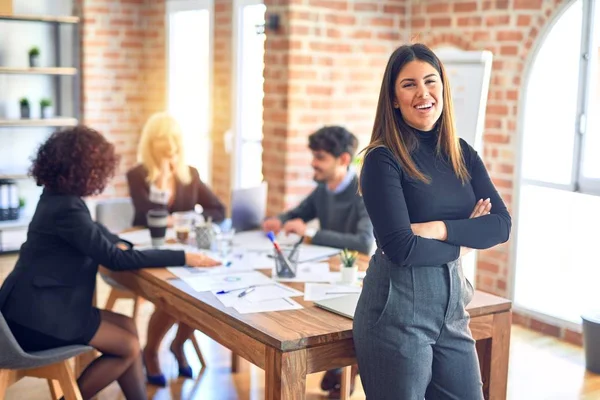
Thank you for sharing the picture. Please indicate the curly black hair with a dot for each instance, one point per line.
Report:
(75, 161)
(335, 140)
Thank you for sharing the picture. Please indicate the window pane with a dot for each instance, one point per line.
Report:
(591, 159)
(251, 168)
(252, 66)
(556, 269)
(551, 102)
(189, 86)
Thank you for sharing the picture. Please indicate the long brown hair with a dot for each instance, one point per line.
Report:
(391, 131)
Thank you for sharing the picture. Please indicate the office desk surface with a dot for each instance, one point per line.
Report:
(291, 344)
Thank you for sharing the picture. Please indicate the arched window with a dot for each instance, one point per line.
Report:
(557, 270)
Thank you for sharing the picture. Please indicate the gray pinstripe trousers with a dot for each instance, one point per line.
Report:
(411, 333)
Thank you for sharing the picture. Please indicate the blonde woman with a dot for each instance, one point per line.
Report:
(164, 180)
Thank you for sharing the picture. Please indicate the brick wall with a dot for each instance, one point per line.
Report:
(123, 71)
(324, 66)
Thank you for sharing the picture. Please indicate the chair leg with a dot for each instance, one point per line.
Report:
(67, 381)
(55, 389)
(197, 348)
(137, 302)
(112, 299)
(235, 363)
(4, 381)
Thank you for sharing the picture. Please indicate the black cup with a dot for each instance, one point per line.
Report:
(157, 223)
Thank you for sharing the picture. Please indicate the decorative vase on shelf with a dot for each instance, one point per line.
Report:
(34, 57)
(349, 268)
(25, 111)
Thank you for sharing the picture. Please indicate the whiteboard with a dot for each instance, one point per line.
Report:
(469, 75)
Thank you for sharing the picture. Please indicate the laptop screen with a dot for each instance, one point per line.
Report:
(248, 207)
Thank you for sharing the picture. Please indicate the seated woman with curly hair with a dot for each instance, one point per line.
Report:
(47, 299)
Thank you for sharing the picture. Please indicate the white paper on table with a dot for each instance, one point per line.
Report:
(258, 242)
(246, 307)
(321, 291)
(244, 259)
(312, 272)
(226, 281)
(142, 236)
(260, 293)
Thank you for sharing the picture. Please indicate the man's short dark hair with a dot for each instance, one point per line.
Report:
(334, 140)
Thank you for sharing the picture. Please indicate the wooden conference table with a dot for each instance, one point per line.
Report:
(288, 345)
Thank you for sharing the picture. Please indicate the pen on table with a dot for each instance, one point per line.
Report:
(245, 292)
(229, 291)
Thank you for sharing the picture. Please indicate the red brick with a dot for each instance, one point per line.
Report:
(544, 328)
(440, 22)
(382, 21)
(340, 19)
(527, 4)
(336, 5)
(509, 50)
(497, 20)
(365, 7)
(524, 20)
(398, 10)
(573, 337)
(465, 7)
(469, 21)
(509, 36)
(437, 8)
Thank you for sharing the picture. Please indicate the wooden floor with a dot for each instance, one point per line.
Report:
(541, 367)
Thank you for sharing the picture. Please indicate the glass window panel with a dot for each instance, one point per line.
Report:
(551, 102)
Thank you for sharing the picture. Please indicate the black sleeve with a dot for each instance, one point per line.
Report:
(306, 210)
(486, 231)
(114, 239)
(381, 182)
(139, 190)
(75, 225)
(213, 207)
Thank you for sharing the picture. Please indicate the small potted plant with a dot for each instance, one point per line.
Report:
(46, 108)
(349, 267)
(34, 57)
(24, 102)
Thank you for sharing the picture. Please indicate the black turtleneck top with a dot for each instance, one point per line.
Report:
(394, 200)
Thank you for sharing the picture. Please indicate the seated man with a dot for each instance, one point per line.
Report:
(335, 202)
(344, 222)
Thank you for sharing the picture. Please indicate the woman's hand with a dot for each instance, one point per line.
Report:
(430, 230)
(483, 207)
(200, 260)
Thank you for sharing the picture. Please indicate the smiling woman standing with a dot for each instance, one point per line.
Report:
(430, 199)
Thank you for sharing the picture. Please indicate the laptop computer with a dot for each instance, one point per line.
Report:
(344, 305)
(248, 207)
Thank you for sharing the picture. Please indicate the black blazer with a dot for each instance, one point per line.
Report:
(51, 288)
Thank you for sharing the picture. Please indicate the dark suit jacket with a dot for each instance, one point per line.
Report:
(51, 288)
(186, 196)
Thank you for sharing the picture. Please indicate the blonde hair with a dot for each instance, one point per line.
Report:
(161, 125)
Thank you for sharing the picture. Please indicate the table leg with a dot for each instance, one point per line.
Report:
(285, 374)
(345, 383)
(499, 356)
